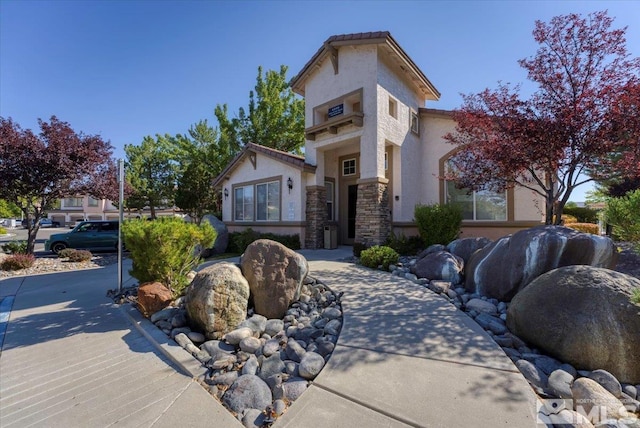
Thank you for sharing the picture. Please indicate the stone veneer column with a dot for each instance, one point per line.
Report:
(316, 213)
(372, 212)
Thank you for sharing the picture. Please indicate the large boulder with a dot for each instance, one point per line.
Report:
(584, 316)
(153, 297)
(222, 234)
(465, 247)
(217, 299)
(247, 392)
(506, 266)
(440, 265)
(275, 274)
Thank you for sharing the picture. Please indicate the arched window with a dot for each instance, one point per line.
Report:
(476, 205)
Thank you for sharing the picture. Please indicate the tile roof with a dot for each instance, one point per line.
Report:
(289, 158)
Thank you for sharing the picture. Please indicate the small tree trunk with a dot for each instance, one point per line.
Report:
(32, 232)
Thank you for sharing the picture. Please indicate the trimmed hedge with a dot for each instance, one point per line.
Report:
(438, 224)
(17, 262)
(79, 255)
(585, 227)
(378, 256)
(239, 241)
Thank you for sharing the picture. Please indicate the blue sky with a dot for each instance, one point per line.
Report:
(127, 69)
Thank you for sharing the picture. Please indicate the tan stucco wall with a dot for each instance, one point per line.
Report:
(267, 167)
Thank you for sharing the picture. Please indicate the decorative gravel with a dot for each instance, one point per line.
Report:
(49, 264)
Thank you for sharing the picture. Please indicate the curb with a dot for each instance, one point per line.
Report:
(168, 347)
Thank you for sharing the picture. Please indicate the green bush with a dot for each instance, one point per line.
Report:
(378, 255)
(79, 255)
(406, 246)
(635, 296)
(239, 241)
(624, 215)
(17, 262)
(438, 224)
(166, 249)
(3, 231)
(15, 247)
(582, 214)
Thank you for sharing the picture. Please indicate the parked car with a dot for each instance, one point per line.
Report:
(44, 222)
(89, 235)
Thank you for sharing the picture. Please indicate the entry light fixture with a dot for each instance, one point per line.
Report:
(290, 184)
(226, 193)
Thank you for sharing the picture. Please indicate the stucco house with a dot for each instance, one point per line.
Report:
(373, 152)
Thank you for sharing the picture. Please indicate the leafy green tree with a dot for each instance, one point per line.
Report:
(202, 156)
(274, 118)
(8, 209)
(624, 214)
(152, 174)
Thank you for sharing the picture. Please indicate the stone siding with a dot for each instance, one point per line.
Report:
(373, 217)
(316, 211)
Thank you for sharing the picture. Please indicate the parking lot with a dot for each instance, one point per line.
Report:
(20, 234)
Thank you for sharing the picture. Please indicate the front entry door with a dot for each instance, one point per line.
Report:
(352, 199)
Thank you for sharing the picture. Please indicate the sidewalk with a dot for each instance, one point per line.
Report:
(405, 357)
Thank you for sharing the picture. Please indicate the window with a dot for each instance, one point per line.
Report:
(72, 202)
(93, 202)
(386, 161)
(349, 167)
(393, 108)
(243, 198)
(329, 186)
(264, 207)
(268, 201)
(477, 205)
(415, 123)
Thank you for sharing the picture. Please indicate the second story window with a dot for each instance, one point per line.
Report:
(93, 202)
(349, 167)
(393, 108)
(415, 123)
(72, 203)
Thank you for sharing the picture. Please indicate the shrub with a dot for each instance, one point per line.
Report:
(407, 246)
(239, 241)
(438, 224)
(624, 214)
(635, 296)
(79, 255)
(166, 249)
(63, 254)
(585, 227)
(581, 214)
(17, 262)
(3, 231)
(15, 247)
(568, 218)
(378, 255)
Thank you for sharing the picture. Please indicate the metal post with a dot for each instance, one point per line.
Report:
(120, 220)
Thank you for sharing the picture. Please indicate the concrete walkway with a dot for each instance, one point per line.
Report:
(405, 357)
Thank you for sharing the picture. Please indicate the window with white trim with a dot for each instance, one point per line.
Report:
(482, 205)
(349, 167)
(330, 198)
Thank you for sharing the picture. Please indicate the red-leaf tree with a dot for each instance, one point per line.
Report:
(573, 129)
(38, 170)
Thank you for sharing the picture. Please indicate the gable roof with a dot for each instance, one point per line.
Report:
(251, 149)
(399, 57)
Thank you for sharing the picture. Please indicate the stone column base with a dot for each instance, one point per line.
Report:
(373, 219)
(316, 214)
